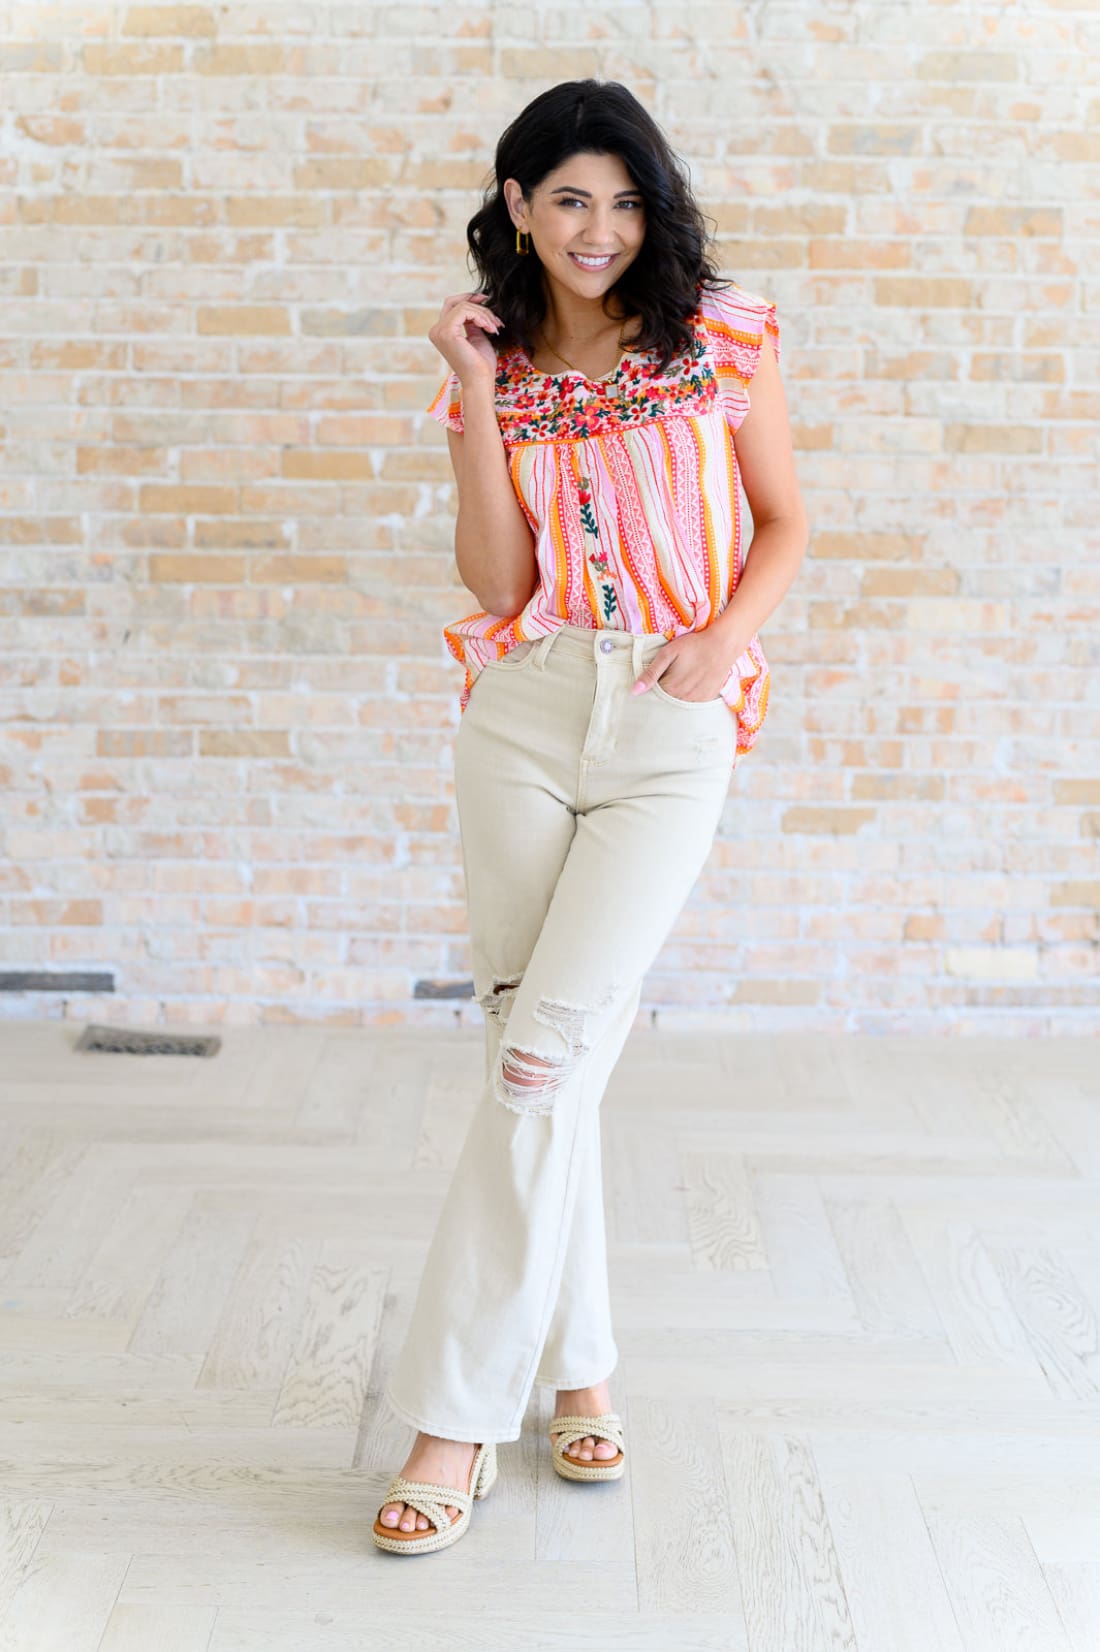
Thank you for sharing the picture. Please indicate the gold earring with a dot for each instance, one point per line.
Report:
(522, 250)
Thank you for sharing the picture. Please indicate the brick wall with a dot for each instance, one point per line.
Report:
(227, 709)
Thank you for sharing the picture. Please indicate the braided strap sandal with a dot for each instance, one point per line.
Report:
(431, 1500)
(565, 1431)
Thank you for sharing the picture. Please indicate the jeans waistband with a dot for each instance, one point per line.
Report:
(603, 643)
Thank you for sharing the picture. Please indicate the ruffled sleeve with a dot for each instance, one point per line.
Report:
(446, 405)
(735, 323)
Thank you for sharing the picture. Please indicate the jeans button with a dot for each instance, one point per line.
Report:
(607, 645)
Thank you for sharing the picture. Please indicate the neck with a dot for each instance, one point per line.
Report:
(570, 319)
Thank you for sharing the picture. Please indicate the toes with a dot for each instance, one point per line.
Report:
(584, 1451)
(410, 1519)
(407, 1519)
(403, 1517)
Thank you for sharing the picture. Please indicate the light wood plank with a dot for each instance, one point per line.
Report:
(856, 1289)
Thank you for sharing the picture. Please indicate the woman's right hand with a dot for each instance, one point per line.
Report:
(460, 336)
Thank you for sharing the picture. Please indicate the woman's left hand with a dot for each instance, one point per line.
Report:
(690, 667)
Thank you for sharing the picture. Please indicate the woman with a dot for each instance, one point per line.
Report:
(598, 422)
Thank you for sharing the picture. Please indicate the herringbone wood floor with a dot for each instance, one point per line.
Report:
(857, 1291)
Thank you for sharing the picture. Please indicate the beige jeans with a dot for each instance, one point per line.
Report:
(586, 816)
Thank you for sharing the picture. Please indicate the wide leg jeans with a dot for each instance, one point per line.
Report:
(586, 815)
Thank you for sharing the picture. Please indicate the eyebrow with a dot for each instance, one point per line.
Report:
(569, 190)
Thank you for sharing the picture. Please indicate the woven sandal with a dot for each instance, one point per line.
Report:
(431, 1500)
(565, 1430)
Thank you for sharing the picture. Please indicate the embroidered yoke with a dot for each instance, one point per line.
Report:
(632, 489)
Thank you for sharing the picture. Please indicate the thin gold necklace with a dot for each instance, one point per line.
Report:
(573, 365)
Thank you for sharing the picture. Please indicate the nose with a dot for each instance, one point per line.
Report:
(603, 225)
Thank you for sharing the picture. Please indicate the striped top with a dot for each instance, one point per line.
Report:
(632, 489)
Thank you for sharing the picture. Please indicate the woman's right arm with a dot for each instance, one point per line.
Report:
(494, 545)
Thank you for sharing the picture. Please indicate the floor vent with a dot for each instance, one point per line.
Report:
(58, 980)
(425, 988)
(124, 1041)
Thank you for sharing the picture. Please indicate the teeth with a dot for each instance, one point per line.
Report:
(592, 263)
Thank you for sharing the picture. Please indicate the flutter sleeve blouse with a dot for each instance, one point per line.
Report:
(632, 489)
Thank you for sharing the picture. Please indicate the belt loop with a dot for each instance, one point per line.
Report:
(542, 649)
(636, 655)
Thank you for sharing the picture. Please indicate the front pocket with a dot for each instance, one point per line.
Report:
(516, 658)
(663, 694)
(670, 699)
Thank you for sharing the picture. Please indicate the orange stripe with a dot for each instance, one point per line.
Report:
(453, 403)
(735, 507)
(676, 603)
(708, 546)
(436, 399)
(724, 330)
(515, 461)
(557, 537)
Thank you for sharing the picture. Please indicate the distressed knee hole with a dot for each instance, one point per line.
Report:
(498, 1000)
(528, 1082)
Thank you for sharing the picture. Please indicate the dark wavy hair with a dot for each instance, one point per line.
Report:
(663, 283)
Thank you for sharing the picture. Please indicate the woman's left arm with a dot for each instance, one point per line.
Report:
(700, 661)
(765, 456)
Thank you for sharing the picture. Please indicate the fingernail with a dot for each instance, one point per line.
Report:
(639, 687)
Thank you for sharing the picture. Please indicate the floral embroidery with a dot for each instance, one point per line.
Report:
(598, 558)
(540, 407)
(588, 516)
(727, 330)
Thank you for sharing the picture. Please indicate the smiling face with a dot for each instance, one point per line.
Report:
(586, 221)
